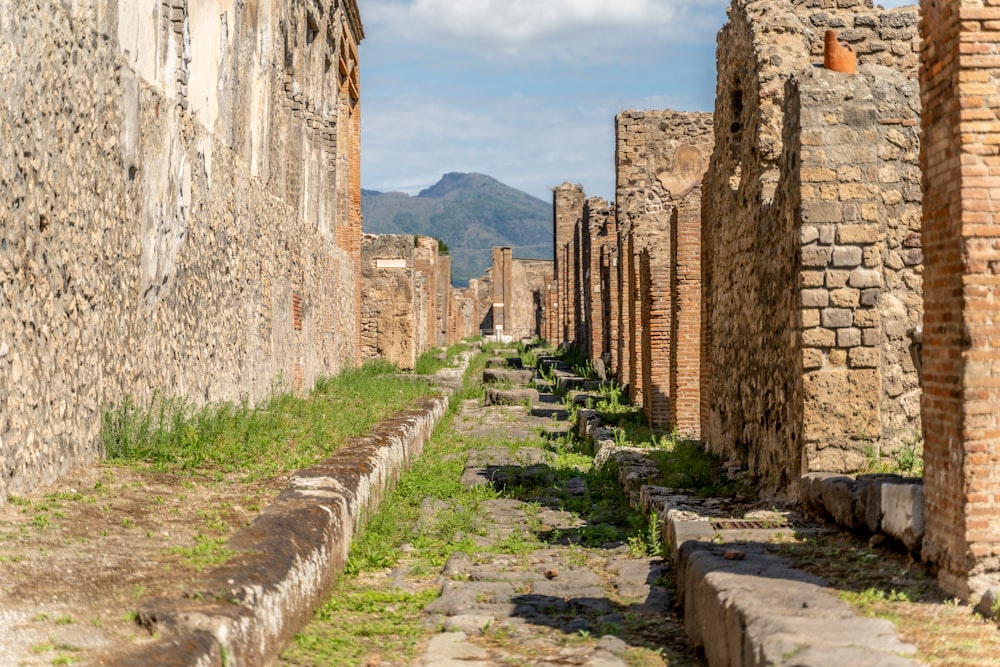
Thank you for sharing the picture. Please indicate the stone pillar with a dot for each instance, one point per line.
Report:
(959, 78)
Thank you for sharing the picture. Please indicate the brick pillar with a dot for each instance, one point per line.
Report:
(633, 316)
(612, 297)
(959, 78)
(685, 318)
(567, 210)
(624, 368)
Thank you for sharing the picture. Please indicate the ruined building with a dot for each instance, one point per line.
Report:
(518, 308)
(757, 283)
(407, 294)
(628, 274)
(811, 240)
(181, 210)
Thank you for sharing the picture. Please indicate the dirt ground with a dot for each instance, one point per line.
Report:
(76, 557)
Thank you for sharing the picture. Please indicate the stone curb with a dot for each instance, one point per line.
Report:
(881, 504)
(742, 606)
(245, 611)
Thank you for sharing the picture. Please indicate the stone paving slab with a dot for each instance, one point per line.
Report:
(538, 600)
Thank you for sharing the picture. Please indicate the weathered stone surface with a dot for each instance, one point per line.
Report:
(798, 188)
(506, 375)
(758, 606)
(172, 222)
(903, 513)
(288, 557)
(511, 396)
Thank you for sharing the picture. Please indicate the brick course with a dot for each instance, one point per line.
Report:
(960, 72)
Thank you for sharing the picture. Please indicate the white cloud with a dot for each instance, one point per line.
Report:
(572, 29)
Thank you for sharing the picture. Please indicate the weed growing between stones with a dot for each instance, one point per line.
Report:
(281, 434)
(431, 518)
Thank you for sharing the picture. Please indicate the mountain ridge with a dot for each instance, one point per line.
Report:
(471, 213)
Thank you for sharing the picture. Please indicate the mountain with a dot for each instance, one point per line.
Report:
(471, 213)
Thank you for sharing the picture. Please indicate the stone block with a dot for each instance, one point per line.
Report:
(848, 337)
(845, 297)
(814, 212)
(812, 358)
(511, 396)
(815, 298)
(858, 234)
(835, 318)
(903, 513)
(865, 278)
(864, 357)
(810, 318)
(841, 405)
(491, 375)
(819, 338)
(869, 297)
(816, 256)
(847, 256)
(810, 279)
(837, 278)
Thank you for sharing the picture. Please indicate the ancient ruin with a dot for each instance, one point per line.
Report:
(183, 197)
(759, 282)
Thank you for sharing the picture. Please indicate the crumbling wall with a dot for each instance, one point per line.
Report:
(389, 310)
(661, 158)
(797, 166)
(170, 181)
(529, 277)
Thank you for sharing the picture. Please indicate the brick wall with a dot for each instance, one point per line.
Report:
(568, 200)
(661, 158)
(959, 80)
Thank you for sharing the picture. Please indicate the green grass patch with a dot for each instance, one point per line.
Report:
(280, 434)
(207, 552)
(354, 622)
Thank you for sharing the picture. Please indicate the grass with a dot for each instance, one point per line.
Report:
(283, 433)
(883, 583)
(906, 460)
(374, 613)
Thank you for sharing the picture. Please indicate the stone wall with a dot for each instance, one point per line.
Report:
(528, 296)
(389, 311)
(179, 184)
(518, 295)
(661, 158)
(811, 240)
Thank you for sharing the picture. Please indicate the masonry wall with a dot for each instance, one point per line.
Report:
(567, 208)
(961, 171)
(527, 310)
(661, 158)
(172, 181)
(389, 312)
(811, 200)
(443, 299)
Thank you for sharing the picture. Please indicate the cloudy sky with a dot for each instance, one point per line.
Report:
(523, 90)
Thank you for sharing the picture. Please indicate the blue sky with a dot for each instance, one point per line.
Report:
(523, 90)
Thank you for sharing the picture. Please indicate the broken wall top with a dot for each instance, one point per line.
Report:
(767, 41)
